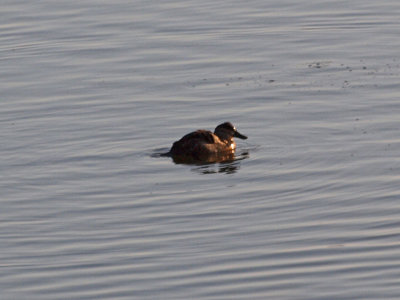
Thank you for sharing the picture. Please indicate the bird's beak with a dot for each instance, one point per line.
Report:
(239, 135)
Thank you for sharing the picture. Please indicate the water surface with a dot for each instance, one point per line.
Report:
(91, 91)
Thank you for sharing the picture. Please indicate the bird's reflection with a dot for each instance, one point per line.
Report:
(228, 163)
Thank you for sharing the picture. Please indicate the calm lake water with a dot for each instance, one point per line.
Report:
(92, 92)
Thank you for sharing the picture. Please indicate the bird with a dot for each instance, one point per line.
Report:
(204, 145)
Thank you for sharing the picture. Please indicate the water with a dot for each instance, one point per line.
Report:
(92, 92)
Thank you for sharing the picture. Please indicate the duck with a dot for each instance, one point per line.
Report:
(206, 145)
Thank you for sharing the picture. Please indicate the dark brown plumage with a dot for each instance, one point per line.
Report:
(201, 144)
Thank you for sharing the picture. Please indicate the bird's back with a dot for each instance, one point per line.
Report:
(196, 143)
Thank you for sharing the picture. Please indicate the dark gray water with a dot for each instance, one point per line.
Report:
(92, 92)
